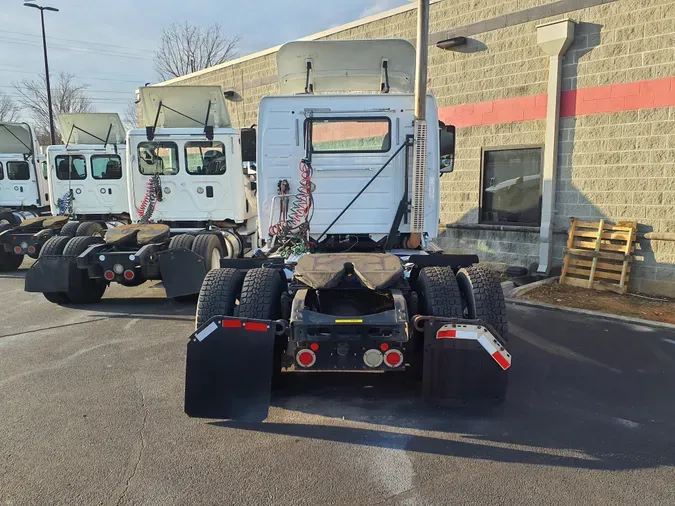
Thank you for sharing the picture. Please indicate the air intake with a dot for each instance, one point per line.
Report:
(419, 176)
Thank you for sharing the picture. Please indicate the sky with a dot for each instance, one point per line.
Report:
(109, 45)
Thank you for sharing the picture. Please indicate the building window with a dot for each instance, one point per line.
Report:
(511, 187)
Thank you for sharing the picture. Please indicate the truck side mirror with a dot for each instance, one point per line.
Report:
(248, 144)
(447, 148)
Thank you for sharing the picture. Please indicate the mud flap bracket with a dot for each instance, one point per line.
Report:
(229, 367)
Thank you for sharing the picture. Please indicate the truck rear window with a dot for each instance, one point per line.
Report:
(350, 135)
(70, 167)
(18, 171)
(158, 158)
(106, 167)
(205, 157)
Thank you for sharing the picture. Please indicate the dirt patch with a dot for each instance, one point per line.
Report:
(606, 302)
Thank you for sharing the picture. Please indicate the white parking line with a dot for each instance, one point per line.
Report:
(671, 341)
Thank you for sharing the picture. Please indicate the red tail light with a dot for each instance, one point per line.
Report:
(305, 358)
(314, 346)
(31, 250)
(129, 275)
(393, 358)
(109, 275)
(17, 250)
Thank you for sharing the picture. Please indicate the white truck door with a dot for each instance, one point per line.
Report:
(108, 173)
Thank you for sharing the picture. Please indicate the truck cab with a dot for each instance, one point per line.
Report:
(22, 185)
(87, 174)
(198, 166)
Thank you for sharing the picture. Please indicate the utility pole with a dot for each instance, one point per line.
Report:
(44, 47)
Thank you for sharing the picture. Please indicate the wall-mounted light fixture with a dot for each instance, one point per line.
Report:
(449, 44)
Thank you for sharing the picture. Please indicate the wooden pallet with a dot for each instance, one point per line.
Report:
(599, 255)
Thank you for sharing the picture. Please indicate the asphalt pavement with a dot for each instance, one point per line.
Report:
(91, 413)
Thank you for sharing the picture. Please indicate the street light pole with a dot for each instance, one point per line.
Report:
(44, 47)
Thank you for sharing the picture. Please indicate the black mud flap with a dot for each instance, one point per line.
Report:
(50, 274)
(464, 362)
(228, 374)
(182, 272)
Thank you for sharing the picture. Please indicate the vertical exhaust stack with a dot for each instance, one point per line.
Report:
(420, 128)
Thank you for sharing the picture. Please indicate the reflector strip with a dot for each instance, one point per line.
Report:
(255, 326)
(349, 321)
(501, 356)
(206, 331)
(501, 360)
(231, 324)
(486, 340)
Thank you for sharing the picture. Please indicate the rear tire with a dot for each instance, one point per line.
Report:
(219, 294)
(182, 241)
(439, 293)
(208, 247)
(484, 297)
(10, 261)
(260, 299)
(69, 229)
(55, 246)
(482, 292)
(83, 289)
(88, 229)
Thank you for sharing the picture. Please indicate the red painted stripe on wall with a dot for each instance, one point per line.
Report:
(599, 100)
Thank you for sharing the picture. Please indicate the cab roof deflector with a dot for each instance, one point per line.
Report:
(323, 66)
(187, 103)
(92, 128)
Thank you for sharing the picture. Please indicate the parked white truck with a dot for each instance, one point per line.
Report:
(346, 277)
(190, 199)
(23, 194)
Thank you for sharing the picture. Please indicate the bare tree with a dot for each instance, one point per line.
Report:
(130, 118)
(68, 96)
(9, 110)
(186, 48)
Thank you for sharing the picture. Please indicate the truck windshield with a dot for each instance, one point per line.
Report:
(205, 157)
(18, 171)
(350, 135)
(71, 167)
(158, 158)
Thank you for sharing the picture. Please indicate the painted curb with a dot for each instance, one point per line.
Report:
(597, 314)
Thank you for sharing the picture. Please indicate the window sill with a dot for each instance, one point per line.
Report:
(493, 226)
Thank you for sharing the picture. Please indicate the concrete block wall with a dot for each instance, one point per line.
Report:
(616, 137)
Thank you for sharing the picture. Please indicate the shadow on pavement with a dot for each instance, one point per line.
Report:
(138, 307)
(583, 393)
